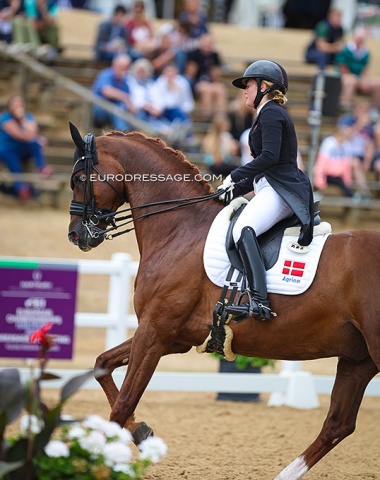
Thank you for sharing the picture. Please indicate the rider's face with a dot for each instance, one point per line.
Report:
(250, 92)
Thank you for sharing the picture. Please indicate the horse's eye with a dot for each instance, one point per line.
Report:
(79, 180)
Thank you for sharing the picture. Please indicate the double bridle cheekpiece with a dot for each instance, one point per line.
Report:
(92, 216)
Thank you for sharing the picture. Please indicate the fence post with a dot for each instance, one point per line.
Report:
(300, 393)
(118, 299)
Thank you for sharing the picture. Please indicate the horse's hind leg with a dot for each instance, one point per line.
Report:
(118, 357)
(350, 384)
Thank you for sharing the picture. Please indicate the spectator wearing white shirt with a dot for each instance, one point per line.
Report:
(172, 95)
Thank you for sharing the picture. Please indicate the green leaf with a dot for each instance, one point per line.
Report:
(12, 393)
(76, 382)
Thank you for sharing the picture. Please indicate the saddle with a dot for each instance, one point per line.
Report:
(269, 241)
(220, 337)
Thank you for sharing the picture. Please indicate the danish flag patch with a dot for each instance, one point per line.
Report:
(295, 269)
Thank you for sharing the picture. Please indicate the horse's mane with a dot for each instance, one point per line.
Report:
(158, 143)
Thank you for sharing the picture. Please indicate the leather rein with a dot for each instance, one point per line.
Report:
(92, 216)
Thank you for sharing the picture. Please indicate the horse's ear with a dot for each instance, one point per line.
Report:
(77, 138)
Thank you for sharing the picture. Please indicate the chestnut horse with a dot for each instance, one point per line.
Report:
(338, 316)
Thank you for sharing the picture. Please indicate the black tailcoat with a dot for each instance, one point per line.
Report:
(273, 144)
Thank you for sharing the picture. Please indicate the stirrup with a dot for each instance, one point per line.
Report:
(252, 308)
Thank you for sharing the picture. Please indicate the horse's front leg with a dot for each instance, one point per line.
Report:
(350, 383)
(118, 357)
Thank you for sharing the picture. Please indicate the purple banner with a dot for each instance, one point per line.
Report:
(32, 294)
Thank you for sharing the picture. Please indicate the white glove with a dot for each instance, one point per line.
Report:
(226, 190)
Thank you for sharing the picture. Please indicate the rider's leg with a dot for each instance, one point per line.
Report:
(262, 212)
(258, 304)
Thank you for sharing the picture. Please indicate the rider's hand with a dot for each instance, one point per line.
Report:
(226, 190)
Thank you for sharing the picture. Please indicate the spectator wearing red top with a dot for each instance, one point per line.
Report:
(139, 29)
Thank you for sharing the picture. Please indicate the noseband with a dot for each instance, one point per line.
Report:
(92, 216)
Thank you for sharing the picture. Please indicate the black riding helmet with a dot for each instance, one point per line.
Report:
(264, 70)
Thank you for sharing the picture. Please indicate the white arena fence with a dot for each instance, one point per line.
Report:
(292, 386)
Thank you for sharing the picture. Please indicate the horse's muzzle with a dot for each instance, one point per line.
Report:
(83, 239)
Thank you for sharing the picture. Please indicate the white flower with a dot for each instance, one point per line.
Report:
(56, 448)
(112, 429)
(94, 442)
(124, 468)
(95, 422)
(153, 448)
(30, 423)
(76, 432)
(116, 452)
(125, 435)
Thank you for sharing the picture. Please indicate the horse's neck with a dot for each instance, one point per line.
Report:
(158, 180)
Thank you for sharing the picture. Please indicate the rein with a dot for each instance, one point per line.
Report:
(92, 215)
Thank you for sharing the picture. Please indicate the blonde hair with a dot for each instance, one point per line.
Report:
(276, 95)
(212, 142)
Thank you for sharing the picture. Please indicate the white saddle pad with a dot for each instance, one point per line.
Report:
(295, 269)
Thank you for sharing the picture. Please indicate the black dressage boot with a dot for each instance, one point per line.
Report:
(258, 304)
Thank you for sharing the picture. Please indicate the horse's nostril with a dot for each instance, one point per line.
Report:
(73, 237)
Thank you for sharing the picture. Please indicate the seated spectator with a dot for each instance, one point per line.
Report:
(36, 24)
(164, 52)
(178, 43)
(111, 38)
(139, 29)
(327, 41)
(20, 142)
(203, 69)
(361, 133)
(8, 9)
(241, 116)
(141, 85)
(219, 147)
(336, 165)
(173, 97)
(353, 62)
(111, 84)
(193, 16)
(245, 150)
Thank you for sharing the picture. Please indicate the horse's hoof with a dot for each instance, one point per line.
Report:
(142, 432)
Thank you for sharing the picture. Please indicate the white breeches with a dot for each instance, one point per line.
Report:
(264, 210)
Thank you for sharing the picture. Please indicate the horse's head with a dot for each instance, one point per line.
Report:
(96, 193)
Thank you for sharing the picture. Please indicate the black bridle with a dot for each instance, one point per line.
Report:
(92, 216)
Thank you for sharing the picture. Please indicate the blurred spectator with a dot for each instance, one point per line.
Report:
(193, 16)
(139, 29)
(336, 165)
(245, 150)
(141, 85)
(20, 142)
(164, 52)
(219, 147)
(111, 36)
(304, 14)
(8, 9)
(174, 98)
(375, 164)
(36, 24)
(111, 84)
(353, 62)
(241, 116)
(203, 69)
(361, 133)
(180, 41)
(327, 41)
